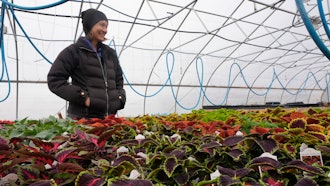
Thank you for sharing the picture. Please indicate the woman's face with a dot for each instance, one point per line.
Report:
(99, 31)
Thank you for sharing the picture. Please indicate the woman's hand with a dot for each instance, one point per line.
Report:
(87, 102)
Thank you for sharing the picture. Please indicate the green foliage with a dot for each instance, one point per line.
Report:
(168, 150)
(43, 129)
(215, 115)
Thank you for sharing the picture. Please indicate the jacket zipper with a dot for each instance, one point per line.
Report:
(104, 78)
(105, 82)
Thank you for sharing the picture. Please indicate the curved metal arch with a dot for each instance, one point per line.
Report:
(228, 57)
(149, 78)
(259, 53)
(292, 78)
(258, 76)
(214, 35)
(314, 89)
(283, 92)
(271, 65)
(310, 93)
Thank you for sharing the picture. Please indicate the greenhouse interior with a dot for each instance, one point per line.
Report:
(252, 72)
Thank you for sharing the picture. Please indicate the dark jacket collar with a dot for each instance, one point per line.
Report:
(82, 43)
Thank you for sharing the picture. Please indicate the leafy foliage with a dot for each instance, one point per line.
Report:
(44, 129)
(185, 149)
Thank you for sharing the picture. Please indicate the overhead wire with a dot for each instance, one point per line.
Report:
(131, 28)
(296, 73)
(166, 46)
(198, 60)
(27, 36)
(154, 28)
(12, 5)
(170, 63)
(77, 25)
(253, 31)
(5, 4)
(184, 31)
(190, 108)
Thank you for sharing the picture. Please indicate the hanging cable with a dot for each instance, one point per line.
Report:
(4, 69)
(6, 4)
(311, 29)
(170, 63)
(323, 19)
(27, 36)
(200, 80)
(34, 7)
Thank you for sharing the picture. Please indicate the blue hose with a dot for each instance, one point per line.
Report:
(322, 16)
(5, 3)
(311, 29)
(34, 7)
(4, 70)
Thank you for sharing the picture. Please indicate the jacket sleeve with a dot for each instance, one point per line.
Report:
(119, 80)
(58, 76)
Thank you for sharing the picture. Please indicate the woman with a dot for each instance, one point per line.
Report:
(96, 89)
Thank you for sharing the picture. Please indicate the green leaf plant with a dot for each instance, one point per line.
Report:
(223, 148)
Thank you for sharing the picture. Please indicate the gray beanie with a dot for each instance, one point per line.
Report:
(90, 17)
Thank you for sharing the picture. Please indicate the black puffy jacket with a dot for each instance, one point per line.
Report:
(98, 78)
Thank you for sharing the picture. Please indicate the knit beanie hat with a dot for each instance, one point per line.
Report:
(90, 17)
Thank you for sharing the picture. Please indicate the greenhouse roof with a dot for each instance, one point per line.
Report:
(193, 53)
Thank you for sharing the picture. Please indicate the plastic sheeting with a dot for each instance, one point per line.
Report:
(177, 56)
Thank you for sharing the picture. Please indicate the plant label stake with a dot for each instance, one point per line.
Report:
(265, 167)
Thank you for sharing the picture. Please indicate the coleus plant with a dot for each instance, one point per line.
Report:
(178, 150)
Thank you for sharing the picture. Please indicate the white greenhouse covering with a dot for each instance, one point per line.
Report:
(177, 56)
